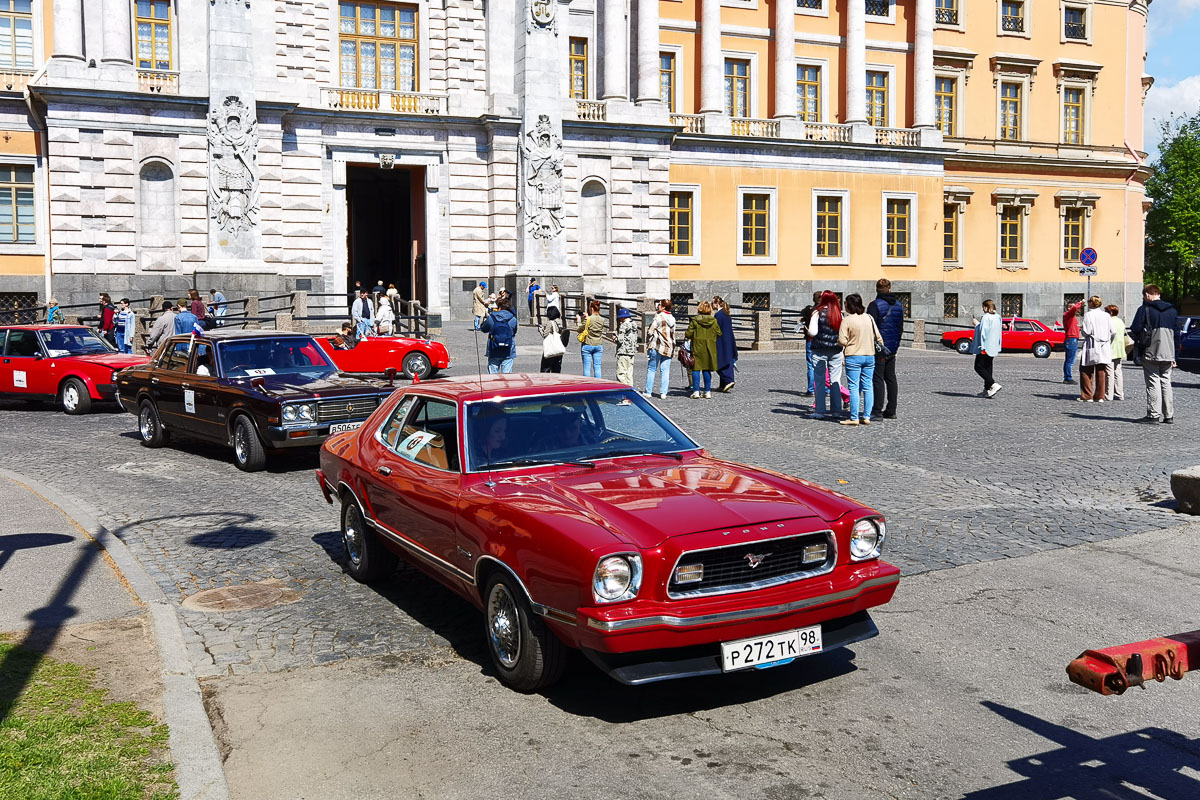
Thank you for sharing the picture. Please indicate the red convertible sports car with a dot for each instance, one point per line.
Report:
(1018, 335)
(373, 356)
(70, 363)
(575, 515)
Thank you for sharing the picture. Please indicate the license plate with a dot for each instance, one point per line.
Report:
(770, 651)
(342, 427)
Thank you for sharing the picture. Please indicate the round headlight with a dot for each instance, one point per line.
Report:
(306, 412)
(865, 539)
(289, 413)
(613, 577)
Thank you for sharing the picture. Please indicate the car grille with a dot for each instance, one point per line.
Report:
(727, 569)
(347, 408)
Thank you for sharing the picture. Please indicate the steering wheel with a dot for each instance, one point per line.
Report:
(616, 437)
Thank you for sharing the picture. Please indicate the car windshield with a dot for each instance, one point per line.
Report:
(74, 342)
(567, 428)
(293, 356)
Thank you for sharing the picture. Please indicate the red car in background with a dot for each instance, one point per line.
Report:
(575, 515)
(373, 356)
(1018, 335)
(70, 363)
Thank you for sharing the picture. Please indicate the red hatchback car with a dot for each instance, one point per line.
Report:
(575, 515)
(373, 356)
(68, 362)
(1018, 335)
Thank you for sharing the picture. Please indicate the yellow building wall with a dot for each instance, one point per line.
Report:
(23, 265)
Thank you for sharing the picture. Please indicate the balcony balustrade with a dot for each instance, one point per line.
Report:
(756, 128)
(15, 80)
(157, 81)
(877, 8)
(388, 102)
(898, 137)
(826, 132)
(1011, 23)
(691, 123)
(591, 110)
(946, 16)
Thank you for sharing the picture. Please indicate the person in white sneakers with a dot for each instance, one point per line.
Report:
(986, 346)
(660, 349)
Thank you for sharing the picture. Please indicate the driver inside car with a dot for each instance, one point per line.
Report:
(493, 438)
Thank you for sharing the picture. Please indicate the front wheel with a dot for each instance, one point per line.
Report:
(1041, 350)
(74, 397)
(526, 654)
(150, 425)
(248, 451)
(963, 346)
(417, 364)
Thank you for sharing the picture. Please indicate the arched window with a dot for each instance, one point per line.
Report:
(157, 213)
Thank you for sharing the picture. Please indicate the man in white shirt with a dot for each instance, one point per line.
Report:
(362, 314)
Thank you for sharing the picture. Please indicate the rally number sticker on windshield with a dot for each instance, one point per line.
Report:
(262, 371)
(19, 380)
(189, 401)
(411, 446)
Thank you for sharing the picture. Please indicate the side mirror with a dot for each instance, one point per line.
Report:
(38, 356)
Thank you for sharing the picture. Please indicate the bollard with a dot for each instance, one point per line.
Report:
(252, 311)
(283, 321)
(434, 325)
(918, 334)
(762, 332)
(299, 304)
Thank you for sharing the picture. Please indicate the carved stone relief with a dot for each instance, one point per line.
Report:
(233, 166)
(542, 15)
(542, 156)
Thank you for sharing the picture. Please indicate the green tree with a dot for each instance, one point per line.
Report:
(1173, 224)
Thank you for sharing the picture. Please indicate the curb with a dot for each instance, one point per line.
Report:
(199, 771)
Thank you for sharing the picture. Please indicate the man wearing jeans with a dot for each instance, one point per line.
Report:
(501, 324)
(1071, 344)
(1153, 331)
(660, 347)
(889, 316)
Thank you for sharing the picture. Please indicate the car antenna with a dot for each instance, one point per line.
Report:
(479, 376)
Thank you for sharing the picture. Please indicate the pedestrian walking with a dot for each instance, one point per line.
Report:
(163, 327)
(802, 327)
(591, 336)
(727, 352)
(479, 303)
(54, 314)
(1070, 323)
(361, 312)
(108, 313)
(1153, 330)
(532, 289)
(501, 327)
(1096, 335)
(554, 300)
(660, 349)
(986, 346)
(385, 317)
(217, 304)
(888, 313)
(1120, 349)
(823, 329)
(703, 332)
(628, 337)
(554, 341)
(860, 338)
(185, 320)
(123, 324)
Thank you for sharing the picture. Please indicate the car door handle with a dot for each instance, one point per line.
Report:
(384, 470)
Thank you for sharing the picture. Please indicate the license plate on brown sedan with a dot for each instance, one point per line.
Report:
(342, 427)
(770, 651)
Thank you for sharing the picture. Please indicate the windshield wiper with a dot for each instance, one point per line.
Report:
(632, 452)
(534, 462)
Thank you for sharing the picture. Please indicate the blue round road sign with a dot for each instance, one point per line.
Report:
(1088, 256)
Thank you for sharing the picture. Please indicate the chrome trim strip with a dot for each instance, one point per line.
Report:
(417, 550)
(767, 583)
(538, 608)
(738, 616)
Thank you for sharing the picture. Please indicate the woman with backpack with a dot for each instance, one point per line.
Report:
(554, 341)
(501, 327)
(591, 336)
(823, 328)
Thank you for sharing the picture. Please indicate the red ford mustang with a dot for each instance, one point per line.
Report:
(574, 514)
(1018, 335)
(70, 363)
(419, 357)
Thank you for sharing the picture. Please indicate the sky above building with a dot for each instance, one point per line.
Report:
(1173, 61)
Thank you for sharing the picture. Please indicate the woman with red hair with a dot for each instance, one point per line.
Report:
(823, 330)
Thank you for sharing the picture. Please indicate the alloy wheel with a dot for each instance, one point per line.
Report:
(352, 537)
(504, 626)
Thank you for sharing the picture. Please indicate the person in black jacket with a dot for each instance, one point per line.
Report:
(889, 316)
(1153, 332)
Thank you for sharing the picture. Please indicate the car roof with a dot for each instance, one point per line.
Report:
(40, 327)
(224, 335)
(469, 388)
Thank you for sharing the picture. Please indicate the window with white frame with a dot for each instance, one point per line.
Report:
(16, 34)
(1013, 21)
(947, 12)
(1073, 115)
(830, 224)
(667, 79)
(877, 98)
(808, 92)
(951, 224)
(945, 104)
(879, 10)
(737, 87)
(1012, 100)
(1076, 25)
(684, 244)
(1012, 235)
(152, 24)
(756, 225)
(899, 228)
(378, 46)
(809, 5)
(16, 205)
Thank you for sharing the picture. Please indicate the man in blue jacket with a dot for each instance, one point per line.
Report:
(889, 316)
(185, 320)
(501, 327)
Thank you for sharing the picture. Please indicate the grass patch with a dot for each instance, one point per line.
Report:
(61, 740)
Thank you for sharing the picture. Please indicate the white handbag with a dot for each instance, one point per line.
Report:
(552, 345)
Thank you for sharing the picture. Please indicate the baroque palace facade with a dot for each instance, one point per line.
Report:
(962, 148)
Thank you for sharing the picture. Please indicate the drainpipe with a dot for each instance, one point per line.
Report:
(44, 140)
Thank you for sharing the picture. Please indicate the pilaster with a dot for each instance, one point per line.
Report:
(856, 61)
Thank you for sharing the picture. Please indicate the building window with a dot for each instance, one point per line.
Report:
(1011, 218)
(579, 68)
(950, 232)
(905, 301)
(808, 93)
(816, 5)
(1010, 111)
(16, 33)
(737, 87)
(1071, 299)
(759, 301)
(1073, 220)
(829, 227)
(1012, 305)
(153, 23)
(16, 205)
(899, 223)
(666, 79)
(378, 47)
(945, 91)
(877, 8)
(756, 224)
(18, 308)
(1075, 23)
(950, 305)
(1072, 115)
(877, 99)
(946, 12)
(681, 223)
(1012, 16)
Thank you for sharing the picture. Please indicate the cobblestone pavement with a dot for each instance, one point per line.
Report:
(962, 479)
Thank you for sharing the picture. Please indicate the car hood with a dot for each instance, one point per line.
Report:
(111, 360)
(650, 504)
(280, 388)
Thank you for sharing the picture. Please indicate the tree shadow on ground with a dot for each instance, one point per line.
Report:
(1145, 763)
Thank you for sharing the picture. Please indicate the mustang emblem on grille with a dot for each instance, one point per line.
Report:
(755, 559)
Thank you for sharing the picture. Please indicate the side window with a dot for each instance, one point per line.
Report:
(1024, 326)
(204, 360)
(390, 431)
(175, 357)
(22, 344)
(430, 435)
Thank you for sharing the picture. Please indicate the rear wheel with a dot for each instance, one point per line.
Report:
(963, 346)
(150, 425)
(367, 559)
(526, 654)
(248, 451)
(417, 364)
(74, 397)
(1042, 350)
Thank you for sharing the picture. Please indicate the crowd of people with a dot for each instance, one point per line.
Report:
(117, 322)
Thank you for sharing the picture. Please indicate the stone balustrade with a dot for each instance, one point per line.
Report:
(827, 132)
(591, 110)
(898, 137)
(158, 81)
(691, 123)
(346, 99)
(757, 128)
(14, 80)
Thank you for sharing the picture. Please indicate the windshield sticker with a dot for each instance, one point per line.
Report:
(189, 401)
(411, 446)
(19, 380)
(57, 353)
(257, 372)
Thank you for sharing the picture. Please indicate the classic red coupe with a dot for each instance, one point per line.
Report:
(70, 363)
(373, 356)
(575, 515)
(1018, 335)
